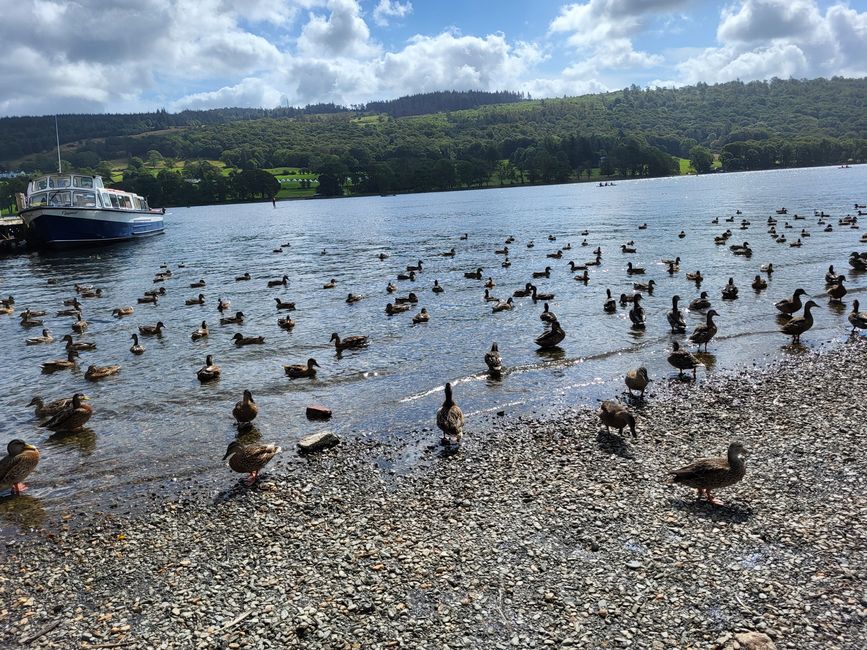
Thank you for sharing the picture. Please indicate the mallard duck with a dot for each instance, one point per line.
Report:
(223, 305)
(695, 277)
(503, 306)
(136, 348)
(702, 334)
(627, 249)
(20, 460)
(450, 419)
(644, 286)
(353, 297)
(91, 293)
(547, 315)
(706, 474)
(759, 284)
(397, 307)
(730, 291)
(493, 359)
(422, 317)
(43, 410)
(583, 277)
(614, 414)
(464, 236)
(28, 319)
(382, 256)
(449, 253)
(501, 251)
(576, 267)
(741, 249)
(643, 226)
(831, 276)
(555, 256)
(474, 275)
(406, 276)
(551, 337)
(837, 290)
(240, 339)
(147, 300)
(489, 283)
(489, 297)
(7, 309)
(531, 244)
(637, 379)
(36, 340)
(276, 283)
(285, 323)
(682, 360)
(552, 238)
(523, 293)
(209, 371)
(541, 295)
(701, 303)
(390, 288)
(242, 278)
(61, 364)
(80, 324)
(152, 330)
(436, 287)
(858, 261)
(596, 262)
(70, 302)
(675, 317)
(237, 319)
(95, 373)
(200, 333)
(245, 409)
(800, 324)
(767, 268)
(796, 244)
(415, 267)
(636, 314)
(349, 342)
(72, 417)
(681, 235)
(410, 298)
(197, 285)
(200, 300)
(788, 306)
(330, 284)
(289, 306)
(78, 346)
(7, 302)
(249, 459)
(634, 270)
(120, 312)
(858, 319)
(610, 305)
(673, 268)
(506, 263)
(303, 370)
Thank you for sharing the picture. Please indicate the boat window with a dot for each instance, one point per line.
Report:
(114, 201)
(136, 203)
(144, 204)
(42, 184)
(59, 199)
(106, 201)
(59, 181)
(40, 198)
(84, 199)
(83, 181)
(124, 202)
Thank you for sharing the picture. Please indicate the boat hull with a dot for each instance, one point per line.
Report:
(72, 227)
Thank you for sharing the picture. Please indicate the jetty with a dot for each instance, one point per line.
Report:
(12, 234)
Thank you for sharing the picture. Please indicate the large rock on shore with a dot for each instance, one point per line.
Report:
(755, 641)
(317, 442)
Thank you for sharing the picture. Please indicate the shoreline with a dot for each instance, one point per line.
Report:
(537, 533)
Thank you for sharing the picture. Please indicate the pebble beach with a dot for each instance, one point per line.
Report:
(535, 534)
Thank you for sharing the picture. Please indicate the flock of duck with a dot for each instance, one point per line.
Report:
(70, 414)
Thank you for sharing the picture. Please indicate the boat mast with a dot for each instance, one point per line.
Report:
(57, 135)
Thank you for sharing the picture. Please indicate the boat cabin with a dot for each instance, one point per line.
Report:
(78, 191)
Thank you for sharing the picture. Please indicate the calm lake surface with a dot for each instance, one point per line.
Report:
(154, 423)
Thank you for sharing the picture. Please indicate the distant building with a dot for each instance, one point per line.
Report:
(12, 174)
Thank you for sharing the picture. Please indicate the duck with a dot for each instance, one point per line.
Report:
(634, 270)
(449, 253)
(276, 283)
(759, 283)
(644, 286)
(741, 249)
(29, 319)
(285, 323)
(353, 297)
(78, 346)
(200, 300)
(422, 317)
(397, 307)
(545, 295)
(636, 314)
(701, 303)
(382, 256)
(237, 319)
(858, 261)
(410, 298)
(20, 460)
(450, 419)
(501, 251)
(136, 348)
(7, 302)
(675, 261)
(530, 244)
(643, 226)
(70, 302)
(523, 293)
(503, 306)
(474, 275)
(120, 312)
(547, 315)
(490, 298)
(147, 300)
(249, 459)
(91, 293)
(246, 409)
(289, 306)
(583, 277)
(730, 291)
(596, 262)
(610, 305)
(837, 290)
(637, 379)
(61, 364)
(72, 417)
(6, 309)
(406, 276)
(464, 237)
(857, 319)
(627, 249)
(555, 256)
(242, 278)
(790, 306)
(831, 276)
(626, 300)
(706, 474)
(349, 342)
(576, 267)
(223, 305)
(673, 268)
(95, 373)
(682, 360)
(151, 330)
(43, 410)
(800, 324)
(415, 267)
(240, 339)
(552, 337)
(506, 263)
(209, 372)
(197, 285)
(36, 340)
(552, 238)
(614, 414)
(437, 287)
(80, 324)
(681, 235)
(702, 334)
(675, 317)
(493, 359)
(200, 333)
(695, 277)
(489, 283)
(330, 284)
(303, 370)
(796, 244)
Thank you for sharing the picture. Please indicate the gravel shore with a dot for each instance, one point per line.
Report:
(535, 534)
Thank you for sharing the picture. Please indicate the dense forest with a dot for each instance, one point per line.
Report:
(424, 142)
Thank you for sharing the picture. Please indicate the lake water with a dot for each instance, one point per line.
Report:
(154, 422)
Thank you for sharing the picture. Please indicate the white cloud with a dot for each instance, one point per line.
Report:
(342, 33)
(390, 9)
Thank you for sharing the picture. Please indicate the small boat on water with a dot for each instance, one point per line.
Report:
(68, 210)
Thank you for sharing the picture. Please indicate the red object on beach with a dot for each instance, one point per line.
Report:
(318, 412)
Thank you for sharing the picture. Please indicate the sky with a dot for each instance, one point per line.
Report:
(96, 56)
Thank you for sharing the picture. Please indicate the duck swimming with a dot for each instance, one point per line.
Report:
(307, 370)
(45, 338)
(152, 330)
(494, 361)
(200, 333)
(675, 317)
(349, 342)
(136, 347)
(72, 418)
(209, 372)
(245, 410)
(701, 303)
(95, 373)
(237, 319)
(61, 364)
(503, 306)
(240, 339)
(730, 291)
(552, 337)
(790, 306)
(422, 317)
(610, 305)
